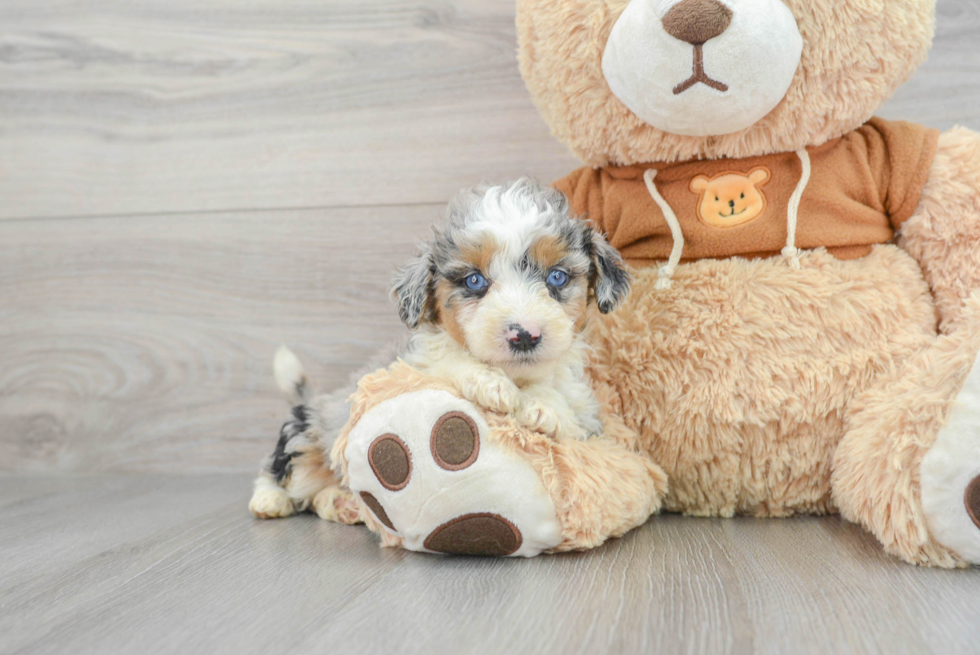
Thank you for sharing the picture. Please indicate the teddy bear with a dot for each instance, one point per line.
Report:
(804, 324)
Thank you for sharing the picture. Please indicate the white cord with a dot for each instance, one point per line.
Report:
(665, 272)
(791, 252)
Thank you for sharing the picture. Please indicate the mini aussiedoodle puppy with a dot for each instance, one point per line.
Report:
(497, 301)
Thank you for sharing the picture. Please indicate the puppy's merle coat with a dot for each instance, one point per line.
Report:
(497, 300)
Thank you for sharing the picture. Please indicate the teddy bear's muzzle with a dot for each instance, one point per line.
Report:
(745, 56)
(697, 21)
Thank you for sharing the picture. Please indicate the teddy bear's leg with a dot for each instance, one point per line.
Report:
(908, 468)
(950, 476)
(435, 473)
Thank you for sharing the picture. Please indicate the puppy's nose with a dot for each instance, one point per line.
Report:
(697, 21)
(523, 338)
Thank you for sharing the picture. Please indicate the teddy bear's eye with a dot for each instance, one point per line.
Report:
(716, 198)
(743, 195)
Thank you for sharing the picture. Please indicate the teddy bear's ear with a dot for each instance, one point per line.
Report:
(412, 288)
(699, 184)
(759, 175)
(608, 278)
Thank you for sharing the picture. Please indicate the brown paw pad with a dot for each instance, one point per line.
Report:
(391, 462)
(972, 500)
(476, 534)
(378, 510)
(455, 441)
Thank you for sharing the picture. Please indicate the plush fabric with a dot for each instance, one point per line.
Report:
(863, 187)
(599, 488)
(710, 71)
(839, 375)
(737, 378)
(855, 54)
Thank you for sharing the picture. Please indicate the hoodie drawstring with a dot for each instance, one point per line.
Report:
(665, 272)
(790, 252)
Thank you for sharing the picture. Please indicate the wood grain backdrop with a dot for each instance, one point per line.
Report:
(184, 185)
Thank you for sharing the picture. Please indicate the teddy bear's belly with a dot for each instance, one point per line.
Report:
(738, 378)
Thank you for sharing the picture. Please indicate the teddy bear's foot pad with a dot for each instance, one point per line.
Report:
(972, 501)
(426, 467)
(476, 534)
(949, 476)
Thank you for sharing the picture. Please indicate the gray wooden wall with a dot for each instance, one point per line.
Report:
(186, 183)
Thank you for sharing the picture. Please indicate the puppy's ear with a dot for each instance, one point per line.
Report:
(412, 289)
(609, 278)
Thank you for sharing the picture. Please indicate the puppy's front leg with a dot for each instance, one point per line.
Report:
(489, 387)
(543, 410)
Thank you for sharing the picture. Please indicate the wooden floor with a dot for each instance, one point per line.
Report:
(158, 563)
(184, 184)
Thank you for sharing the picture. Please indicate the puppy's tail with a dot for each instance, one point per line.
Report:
(290, 376)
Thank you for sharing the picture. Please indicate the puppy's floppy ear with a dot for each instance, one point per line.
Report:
(412, 289)
(609, 279)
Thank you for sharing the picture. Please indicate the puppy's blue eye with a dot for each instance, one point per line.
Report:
(557, 278)
(476, 282)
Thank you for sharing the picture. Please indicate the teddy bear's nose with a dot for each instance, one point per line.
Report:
(697, 21)
(731, 203)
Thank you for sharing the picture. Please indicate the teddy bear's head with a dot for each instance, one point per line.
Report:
(634, 81)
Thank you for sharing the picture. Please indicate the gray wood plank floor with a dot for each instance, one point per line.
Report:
(157, 563)
(186, 184)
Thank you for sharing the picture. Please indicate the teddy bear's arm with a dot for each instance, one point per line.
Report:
(943, 234)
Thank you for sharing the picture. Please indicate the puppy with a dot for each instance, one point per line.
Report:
(497, 300)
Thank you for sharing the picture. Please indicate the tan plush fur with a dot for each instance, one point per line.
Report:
(944, 233)
(736, 378)
(855, 54)
(600, 488)
(893, 424)
(890, 427)
(760, 388)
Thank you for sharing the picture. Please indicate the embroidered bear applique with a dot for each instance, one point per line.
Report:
(731, 199)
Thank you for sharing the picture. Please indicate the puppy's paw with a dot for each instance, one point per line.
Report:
(336, 504)
(540, 417)
(270, 501)
(494, 391)
(591, 426)
(537, 416)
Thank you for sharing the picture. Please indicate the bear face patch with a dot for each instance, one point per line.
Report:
(730, 199)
